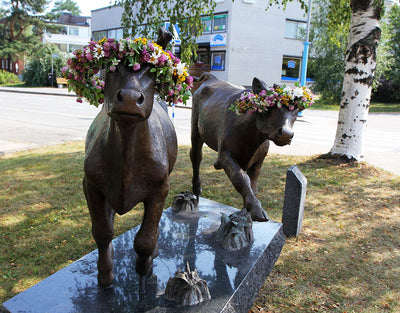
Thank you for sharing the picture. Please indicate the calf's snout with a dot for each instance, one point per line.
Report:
(284, 136)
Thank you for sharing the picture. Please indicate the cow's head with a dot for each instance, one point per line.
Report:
(277, 123)
(129, 94)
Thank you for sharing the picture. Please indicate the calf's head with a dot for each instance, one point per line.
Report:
(277, 123)
(129, 94)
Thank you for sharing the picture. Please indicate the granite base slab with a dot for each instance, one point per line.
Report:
(234, 278)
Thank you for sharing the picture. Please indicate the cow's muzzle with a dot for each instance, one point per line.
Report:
(284, 136)
(130, 103)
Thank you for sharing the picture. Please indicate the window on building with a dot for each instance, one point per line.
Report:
(295, 29)
(99, 35)
(62, 47)
(74, 47)
(291, 68)
(119, 33)
(218, 61)
(73, 31)
(206, 20)
(219, 22)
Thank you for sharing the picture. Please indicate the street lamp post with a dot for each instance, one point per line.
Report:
(306, 44)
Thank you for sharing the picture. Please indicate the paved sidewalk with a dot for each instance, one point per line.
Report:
(40, 90)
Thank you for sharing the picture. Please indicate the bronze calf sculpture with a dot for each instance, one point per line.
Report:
(242, 142)
(131, 148)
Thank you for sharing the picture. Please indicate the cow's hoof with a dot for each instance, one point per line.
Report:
(105, 281)
(259, 216)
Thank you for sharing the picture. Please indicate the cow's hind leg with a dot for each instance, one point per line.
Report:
(102, 216)
(146, 239)
(242, 183)
(196, 156)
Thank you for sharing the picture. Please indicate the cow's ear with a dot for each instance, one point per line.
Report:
(164, 37)
(258, 85)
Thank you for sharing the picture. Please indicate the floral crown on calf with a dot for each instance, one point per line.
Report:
(172, 80)
(292, 98)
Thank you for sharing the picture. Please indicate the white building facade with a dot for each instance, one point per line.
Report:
(241, 40)
(75, 33)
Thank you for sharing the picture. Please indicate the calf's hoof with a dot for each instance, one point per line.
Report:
(259, 215)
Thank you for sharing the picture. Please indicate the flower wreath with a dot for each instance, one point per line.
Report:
(298, 97)
(173, 82)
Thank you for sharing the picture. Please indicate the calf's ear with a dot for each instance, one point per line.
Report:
(164, 37)
(258, 85)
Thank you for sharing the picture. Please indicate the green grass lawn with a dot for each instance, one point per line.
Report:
(347, 258)
(375, 107)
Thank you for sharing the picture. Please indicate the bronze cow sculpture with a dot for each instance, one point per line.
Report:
(242, 142)
(131, 148)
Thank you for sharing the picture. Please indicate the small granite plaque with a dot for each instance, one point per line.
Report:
(293, 206)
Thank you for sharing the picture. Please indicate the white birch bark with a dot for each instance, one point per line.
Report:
(357, 81)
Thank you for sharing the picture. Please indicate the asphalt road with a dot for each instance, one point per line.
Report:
(37, 118)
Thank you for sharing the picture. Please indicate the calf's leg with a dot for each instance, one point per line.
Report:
(147, 236)
(102, 216)
(196, 156)
(255, 165)
(242, 184)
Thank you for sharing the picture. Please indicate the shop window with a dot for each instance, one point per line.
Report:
(203, 57)
(218, 61)
(206, 20)
(291, 68)
(219, 22)
(295, 29)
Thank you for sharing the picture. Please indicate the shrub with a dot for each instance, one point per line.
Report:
(37, 70)
(8, 78)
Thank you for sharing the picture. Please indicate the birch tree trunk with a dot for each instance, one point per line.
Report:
(357, 82)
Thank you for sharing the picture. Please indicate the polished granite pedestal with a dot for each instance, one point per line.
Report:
(234, 278)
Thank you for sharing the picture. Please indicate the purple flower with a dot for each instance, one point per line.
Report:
(65, 69)
(189, 79)
(79, 100)
(170, 92)
(113, 68)
(136, 66)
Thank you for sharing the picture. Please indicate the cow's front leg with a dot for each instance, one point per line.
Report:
(102, 216)
(146, 239)
(242, 184)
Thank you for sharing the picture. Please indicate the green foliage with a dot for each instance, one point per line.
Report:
(329, 47)
(37, 70)
(22, 28)
(8, 78)
(63, 6)
(389, 56)
(144, 17)
(284, 3)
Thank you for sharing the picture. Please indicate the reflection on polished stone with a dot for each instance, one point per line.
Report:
(233, 278)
